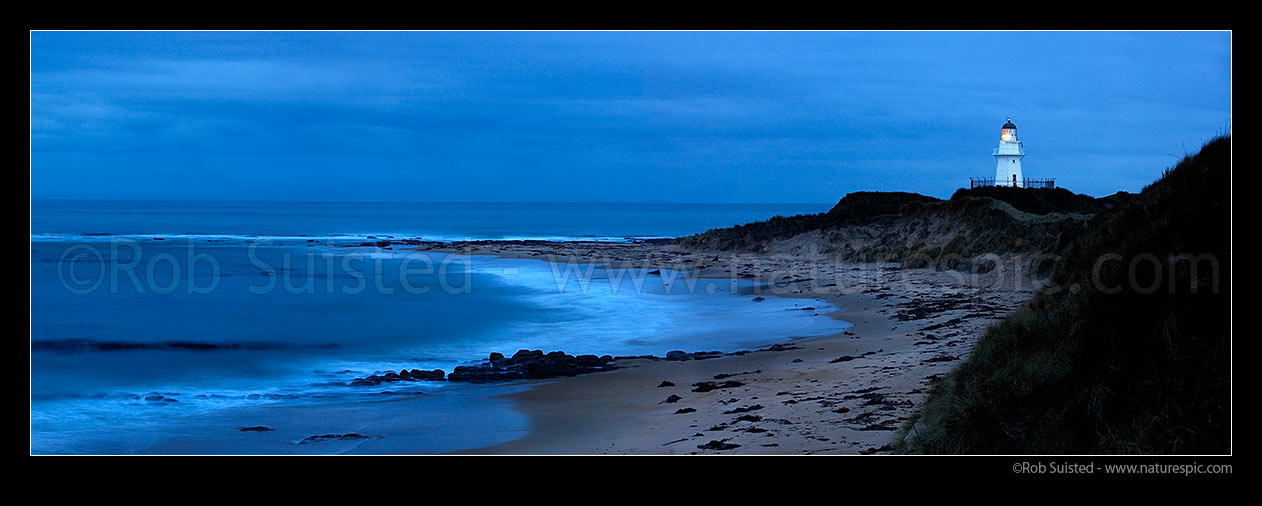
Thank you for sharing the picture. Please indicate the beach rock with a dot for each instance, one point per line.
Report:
(353, 436)
(531, 364)
(729, 375)
(878, 426)
(843, 358)
(256, 428)
(716, 444)
(681, 411)
(434, 375)
(402, 375)
(665, 383)
(636, 357)
(706, 386)
(743, 409)
(528, 355)
(672, 399)
(679, 356)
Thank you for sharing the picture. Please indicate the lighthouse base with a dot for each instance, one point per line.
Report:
(980, 182)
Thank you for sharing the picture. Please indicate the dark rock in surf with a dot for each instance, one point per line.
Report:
(531, 364)
(402, 375)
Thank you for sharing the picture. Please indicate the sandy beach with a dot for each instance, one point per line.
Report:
(841, 394)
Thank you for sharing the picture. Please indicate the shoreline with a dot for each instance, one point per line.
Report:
(845, 393)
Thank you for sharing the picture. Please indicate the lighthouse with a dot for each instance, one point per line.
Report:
(1008, 157)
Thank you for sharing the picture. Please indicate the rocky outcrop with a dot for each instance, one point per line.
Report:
(679, 356)
(535, 364)
(531, 364)
(402, 375)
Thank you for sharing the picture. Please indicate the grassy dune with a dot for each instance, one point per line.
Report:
(920, 231)
(854, 207)
(1115, 359)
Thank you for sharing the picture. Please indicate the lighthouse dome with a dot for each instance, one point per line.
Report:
(1009, 124)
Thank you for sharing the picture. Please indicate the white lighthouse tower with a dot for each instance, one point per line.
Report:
(1008, 157)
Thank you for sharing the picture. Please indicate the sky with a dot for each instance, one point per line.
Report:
(736, 117)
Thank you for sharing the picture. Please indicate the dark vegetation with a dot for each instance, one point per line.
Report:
(1116, 359)
(853, 207)
(960, 234)
(859, 205)
(1039, 201)
(921, 231)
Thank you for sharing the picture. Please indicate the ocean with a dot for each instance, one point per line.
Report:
(151, 317)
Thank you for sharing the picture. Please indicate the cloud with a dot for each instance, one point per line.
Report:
(727, 116)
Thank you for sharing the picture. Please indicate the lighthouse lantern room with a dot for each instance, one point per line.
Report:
(1008, 157)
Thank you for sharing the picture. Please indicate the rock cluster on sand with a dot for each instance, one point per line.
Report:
(530, 364)
(353, 436)
(718, 444)
(679, 356)
(706, 386)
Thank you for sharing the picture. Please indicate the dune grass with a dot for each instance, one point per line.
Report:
(1128, 353)
(853, 207)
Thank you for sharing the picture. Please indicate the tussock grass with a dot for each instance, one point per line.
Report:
(919, 231)
(855, 206)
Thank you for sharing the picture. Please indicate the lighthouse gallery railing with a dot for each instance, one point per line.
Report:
(978, 182)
